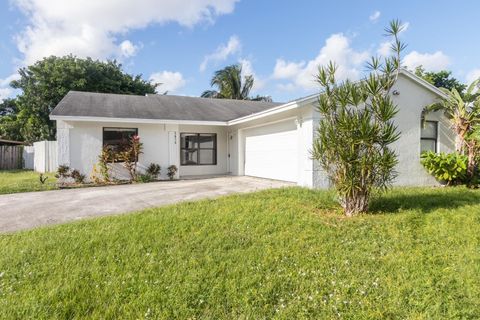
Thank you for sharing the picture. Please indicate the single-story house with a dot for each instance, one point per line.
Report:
(207, 137)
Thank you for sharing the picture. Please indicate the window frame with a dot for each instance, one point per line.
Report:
(198, 134)
(435, 140)
(118, 128)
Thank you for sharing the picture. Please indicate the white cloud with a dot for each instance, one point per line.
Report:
(430, 61)
(222, 52)
(473, 75)
(5, 90)
(247, 70)
(169, 81)
(384, 49)
(337, 48)
(128, 49)
(374, 16)
(6, 82)
(405, 27)
(90, 28)
(5, 93)
(286, 70)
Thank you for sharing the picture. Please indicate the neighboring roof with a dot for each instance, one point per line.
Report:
(157, 107)
(11, 142)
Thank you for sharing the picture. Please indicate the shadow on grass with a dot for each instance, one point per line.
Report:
(424, 200)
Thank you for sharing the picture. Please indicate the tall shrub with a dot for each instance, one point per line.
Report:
(357, 128)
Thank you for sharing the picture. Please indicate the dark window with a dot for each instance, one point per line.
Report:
(428, 141)
(118, 139)
(198, 149)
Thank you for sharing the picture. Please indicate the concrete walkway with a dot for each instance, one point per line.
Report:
(28, 210)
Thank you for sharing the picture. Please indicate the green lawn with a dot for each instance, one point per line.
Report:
(274, 254)
(13, 181)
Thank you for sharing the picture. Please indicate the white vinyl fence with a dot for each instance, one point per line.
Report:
(28, 157)
(45, 157)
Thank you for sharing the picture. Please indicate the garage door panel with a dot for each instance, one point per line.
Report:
(272, 152)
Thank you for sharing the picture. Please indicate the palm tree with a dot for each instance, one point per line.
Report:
(463, 111)
(230, 85)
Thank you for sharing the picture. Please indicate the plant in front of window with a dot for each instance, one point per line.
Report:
(172, 171)
(130, 156)
(106, 156)
(463, 111)
(448, 168)
(357, 128)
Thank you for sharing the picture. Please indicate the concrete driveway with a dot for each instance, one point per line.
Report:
(28, 210)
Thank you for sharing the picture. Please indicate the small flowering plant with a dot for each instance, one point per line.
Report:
(130, 156)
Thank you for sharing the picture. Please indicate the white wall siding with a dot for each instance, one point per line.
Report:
(45, 156)
(86, 140)
(411, 101)
(29, 157)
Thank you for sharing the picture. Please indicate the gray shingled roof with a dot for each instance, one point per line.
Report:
(164, 107)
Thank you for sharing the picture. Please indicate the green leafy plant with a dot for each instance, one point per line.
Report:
(105, 157)
(144, 178)
(63, 171)
(357, 128)
(231, 84)
(153, 170)
(77, 176)
(130, 155)
(463, 111)
(172, 171)
(450, 168)
(42, 178)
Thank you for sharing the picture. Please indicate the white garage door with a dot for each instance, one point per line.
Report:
(271, 151)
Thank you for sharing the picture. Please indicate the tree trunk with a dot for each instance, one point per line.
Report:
(471, 159)
(355, 203)
(459, 142)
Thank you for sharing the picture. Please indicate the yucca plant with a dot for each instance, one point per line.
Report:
(357, 128)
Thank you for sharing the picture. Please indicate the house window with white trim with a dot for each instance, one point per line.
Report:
(198, 149)
(429, 137)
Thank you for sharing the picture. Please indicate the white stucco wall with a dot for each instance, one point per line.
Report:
(85, 141)
(411, 101)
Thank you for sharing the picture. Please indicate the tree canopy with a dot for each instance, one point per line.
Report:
(441, 79)
(46, 82)
(231, 84)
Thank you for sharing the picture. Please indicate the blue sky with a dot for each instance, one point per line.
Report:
(182, 42)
